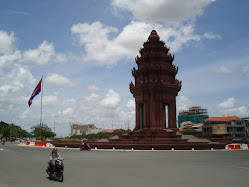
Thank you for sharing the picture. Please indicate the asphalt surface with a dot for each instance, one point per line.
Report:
(25, 166)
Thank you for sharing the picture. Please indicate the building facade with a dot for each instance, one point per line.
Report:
(235, 126)
(246, 120)
(79, 129)
(195, 114)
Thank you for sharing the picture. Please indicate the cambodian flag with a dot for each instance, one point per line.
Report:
(36, 91)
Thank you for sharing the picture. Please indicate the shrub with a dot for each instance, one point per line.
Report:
(189, 129)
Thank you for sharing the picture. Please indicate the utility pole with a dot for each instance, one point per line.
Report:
(54, 127)
(10, 129)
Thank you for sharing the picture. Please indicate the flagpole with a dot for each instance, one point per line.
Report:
(41, 107)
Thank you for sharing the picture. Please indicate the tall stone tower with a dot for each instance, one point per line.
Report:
(155, 87)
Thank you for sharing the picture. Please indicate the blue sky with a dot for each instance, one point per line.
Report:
(85, 51)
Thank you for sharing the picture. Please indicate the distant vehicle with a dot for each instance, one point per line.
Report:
(26, 139)
(19, 139)
(85, 147)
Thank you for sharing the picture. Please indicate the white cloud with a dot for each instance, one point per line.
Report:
(229, 103)
(44, 54)
(183, 103)
(67, 111)
(223, 69)
(60, 57)
(131, 105)
(24, 115)
(245, 70)
(14, 83)
(41, 56)
(167, 11)
(95, 39)
(173, 20)
(69, 102)
(50, 101)
(94, 88)
(212, 36)
(238, 111)
(125, 117)
(8, 58)
(11, 107)
(7, 41)
(104, 115)
(132, 37)
(100, 115)
(92, 97)
(111, 100)
(125, 45)
(59, 80)
(229, 107)
(129, 40)
(181, 35)
(95, 32)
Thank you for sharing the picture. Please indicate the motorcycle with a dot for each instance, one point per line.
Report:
(59, 168)
(85, 147)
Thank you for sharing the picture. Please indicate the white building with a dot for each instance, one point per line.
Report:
(79, 129)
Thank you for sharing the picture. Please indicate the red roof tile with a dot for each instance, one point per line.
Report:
(225, 117)
(109, 130)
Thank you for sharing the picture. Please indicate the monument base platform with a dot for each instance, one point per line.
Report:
(149, 139)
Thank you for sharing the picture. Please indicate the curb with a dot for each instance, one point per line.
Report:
(236, 146)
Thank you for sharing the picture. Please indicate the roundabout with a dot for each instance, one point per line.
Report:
(26, 165)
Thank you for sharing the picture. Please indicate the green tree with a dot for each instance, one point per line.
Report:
(189, 129)
(120, 130)
(2, 125)
(24, 133)
(14, 130)
(99, 135)
(6, 131)
(11, 130)
(42, 130)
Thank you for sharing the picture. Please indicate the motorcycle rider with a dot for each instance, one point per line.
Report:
(53, 157)
(84, 145)
(3, 140)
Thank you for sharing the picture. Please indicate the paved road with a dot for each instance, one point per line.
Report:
(25, 166)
